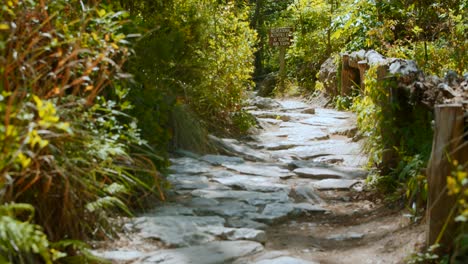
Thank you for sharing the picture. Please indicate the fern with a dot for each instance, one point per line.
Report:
(23, 242)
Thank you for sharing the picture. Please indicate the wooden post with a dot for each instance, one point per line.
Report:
(345, 80)
(448, 143)
(363, 67)
(282, 68)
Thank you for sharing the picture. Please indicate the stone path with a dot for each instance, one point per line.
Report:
(222, 206)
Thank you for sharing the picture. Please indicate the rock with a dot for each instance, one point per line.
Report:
(188, 182)
(284, 260)
(248, 234)
(267, 85)
(177, 231)
(234, 147)
(327, 76)
(273, 213)
(210, 253)
(270, 121)
(347, 236)
(244, 222)
(264, 103)
(279, 145)
(252, 183)
(218, 160)
(226, 209)
(290, 105)
(119, 255)
(276, 257)
(284, 116)
(320, 148)
(260, 170)
(309, 110)
(328, 184)
(447, 90)
(333, 172)
(189, 166)
(307, 193)
(170, 210)
(228, 233)
(406, 70)
(319, 173)
(307, 208)
(329, 159)
(196, 202)
(252, 198)
(325, 121)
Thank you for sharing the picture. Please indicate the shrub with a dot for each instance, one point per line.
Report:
(65, 148)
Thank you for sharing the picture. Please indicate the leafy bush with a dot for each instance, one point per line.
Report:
(65, 147)
(23, 242)
(198, 54)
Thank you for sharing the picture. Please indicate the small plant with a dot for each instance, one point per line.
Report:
(22, 241)
(457, 185)
(425, 257)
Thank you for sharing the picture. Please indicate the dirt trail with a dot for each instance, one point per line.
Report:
(292, 194)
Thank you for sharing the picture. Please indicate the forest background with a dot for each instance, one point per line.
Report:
(95, 94)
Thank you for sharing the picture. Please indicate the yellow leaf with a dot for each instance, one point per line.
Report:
(4, 26)
(101, 12)
(38, 101)
(25, 161)
(114, 46)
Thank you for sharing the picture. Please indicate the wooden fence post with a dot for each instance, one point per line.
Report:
(447, 144)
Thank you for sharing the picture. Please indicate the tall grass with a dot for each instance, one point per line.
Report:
(65, 140)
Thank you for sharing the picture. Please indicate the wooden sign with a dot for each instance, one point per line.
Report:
(281, 37)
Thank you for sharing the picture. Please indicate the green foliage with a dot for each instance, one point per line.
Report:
(66, 142)
(198, 54)
(316, 37)
(23, 241)
(398, 133)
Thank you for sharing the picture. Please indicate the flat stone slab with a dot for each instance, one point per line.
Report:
(119, 255)
(260, 170)
(333, 172)
(188, 165)
(252, 183)
(188, 182)
(237, 148)
(321, 148)
(244, 222)
(273, 213)
(264, 103)
(271, 121)
(276, 257)
(283, 116)
(293, 104)
(252, 198)
(177, 231)
(319, 173)
(229, 233)
(334, 184)
(170, 210)
(218, 160)
(283, 260)
(210, 253)
(229, 208)
(307, 208)
(346, 236)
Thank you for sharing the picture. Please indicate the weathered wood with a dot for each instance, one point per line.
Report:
(282, 69)
(448, 143)
(363, 67)
(349, 76)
